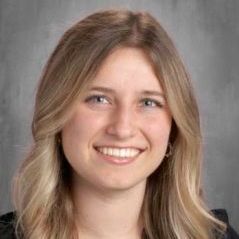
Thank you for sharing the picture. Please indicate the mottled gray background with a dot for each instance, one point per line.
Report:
(206, 33)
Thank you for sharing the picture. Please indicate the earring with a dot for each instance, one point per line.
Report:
(169, 151)
(59, 139)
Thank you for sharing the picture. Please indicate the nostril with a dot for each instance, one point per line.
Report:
(121, 131)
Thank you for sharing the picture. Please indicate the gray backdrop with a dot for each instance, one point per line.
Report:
(206, 33)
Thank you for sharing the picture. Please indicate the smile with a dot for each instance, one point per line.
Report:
(119, 152)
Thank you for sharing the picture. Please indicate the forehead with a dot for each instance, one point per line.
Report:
(126, 67)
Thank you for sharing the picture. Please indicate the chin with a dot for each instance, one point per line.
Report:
(120, 184)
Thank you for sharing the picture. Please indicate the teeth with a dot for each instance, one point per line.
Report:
(119, 152)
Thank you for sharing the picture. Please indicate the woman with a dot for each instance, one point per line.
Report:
(117, 143)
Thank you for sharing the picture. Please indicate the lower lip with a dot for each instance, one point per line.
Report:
(117, 160)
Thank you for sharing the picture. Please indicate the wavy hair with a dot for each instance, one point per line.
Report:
(173, 205)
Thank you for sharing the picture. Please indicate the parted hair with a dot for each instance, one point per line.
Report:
(173, 204)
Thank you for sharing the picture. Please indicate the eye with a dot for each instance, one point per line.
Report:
(97, 99)
(152, 103)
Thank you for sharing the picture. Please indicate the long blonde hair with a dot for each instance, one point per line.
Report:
(173, 206)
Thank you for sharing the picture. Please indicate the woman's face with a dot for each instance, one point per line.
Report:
(119, 131)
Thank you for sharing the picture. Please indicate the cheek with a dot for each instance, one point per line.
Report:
(158, 135)
(81, 128)
(74, 130)
(76, 138)
(158, 130)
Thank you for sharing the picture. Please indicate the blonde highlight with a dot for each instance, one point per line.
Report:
(173, 205)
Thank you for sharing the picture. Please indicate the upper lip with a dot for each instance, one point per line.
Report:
(117, 146)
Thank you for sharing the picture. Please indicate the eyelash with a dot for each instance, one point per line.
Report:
(93, 99)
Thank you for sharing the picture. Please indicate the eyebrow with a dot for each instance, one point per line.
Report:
(144, 92)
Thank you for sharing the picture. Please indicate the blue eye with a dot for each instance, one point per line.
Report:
(97, 99)
(102, 99)
(152, 103)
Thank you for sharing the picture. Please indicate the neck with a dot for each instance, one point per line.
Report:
(108, 214)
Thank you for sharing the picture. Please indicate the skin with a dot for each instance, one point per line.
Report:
(108, 195)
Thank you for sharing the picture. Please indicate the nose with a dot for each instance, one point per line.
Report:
(122, 123)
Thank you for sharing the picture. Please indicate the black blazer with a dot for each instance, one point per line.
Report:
(7, 225)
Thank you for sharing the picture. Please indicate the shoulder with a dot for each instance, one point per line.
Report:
(222, 215)
(7, 226)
